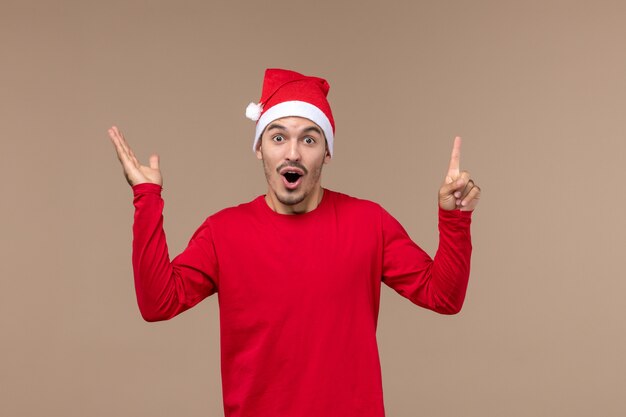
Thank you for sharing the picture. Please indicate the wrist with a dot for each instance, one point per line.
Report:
(455, 213)
(146, 188)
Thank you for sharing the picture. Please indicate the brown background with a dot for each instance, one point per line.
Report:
(537, 90)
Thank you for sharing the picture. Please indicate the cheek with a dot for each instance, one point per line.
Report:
(270, 154)
(316, 169)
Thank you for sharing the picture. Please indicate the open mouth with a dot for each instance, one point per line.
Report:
(292, 177)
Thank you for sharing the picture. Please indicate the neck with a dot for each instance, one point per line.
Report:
(310, 202)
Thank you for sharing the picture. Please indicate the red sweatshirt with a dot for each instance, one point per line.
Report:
(298, 295)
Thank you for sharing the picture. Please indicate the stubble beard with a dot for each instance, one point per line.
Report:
(293, 197)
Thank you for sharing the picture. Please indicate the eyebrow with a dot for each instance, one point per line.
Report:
(312, 128)
(308, 129)
(276, 126)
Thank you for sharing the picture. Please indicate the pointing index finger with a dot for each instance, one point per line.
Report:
(455, 158)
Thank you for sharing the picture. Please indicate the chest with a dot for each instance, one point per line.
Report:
(271, 263)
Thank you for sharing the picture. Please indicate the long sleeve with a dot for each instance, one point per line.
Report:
(165, 289)
(440, 284)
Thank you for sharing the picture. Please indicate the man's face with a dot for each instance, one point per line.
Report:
(293, 151)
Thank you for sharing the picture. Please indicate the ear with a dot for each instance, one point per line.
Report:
(259, 152)
(327, 157)
(327, 153)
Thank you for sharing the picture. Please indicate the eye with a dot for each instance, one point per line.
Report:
(278, 138)
(309, 140)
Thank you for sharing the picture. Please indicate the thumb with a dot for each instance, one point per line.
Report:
(451, 186)
(154, 161)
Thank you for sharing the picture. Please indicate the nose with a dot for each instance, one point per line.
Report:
(293, 152)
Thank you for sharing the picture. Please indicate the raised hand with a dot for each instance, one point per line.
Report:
(134, 172)
(458, 190)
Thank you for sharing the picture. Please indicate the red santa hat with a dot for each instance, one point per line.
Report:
(288, 93)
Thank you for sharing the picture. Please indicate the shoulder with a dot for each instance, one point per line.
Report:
(232, 217)
(351, 204)
(238, 212)
(364, 210)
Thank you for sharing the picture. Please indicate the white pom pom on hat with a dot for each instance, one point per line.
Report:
(288, 93)
(253, 111)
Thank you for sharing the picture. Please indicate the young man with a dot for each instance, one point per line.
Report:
(298, 271)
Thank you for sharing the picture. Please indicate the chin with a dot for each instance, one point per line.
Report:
(291, 199)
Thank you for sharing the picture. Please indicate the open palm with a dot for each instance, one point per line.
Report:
(134, 172)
